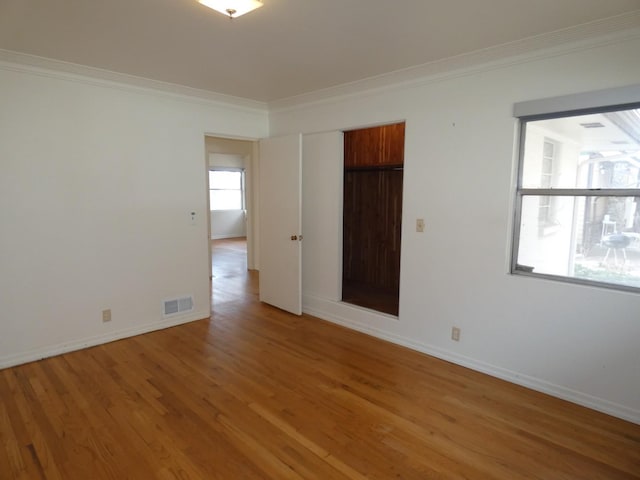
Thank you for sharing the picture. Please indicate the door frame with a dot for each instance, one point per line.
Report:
(251, 203)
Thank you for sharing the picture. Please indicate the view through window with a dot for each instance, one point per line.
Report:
(577, 198)
(226, 189)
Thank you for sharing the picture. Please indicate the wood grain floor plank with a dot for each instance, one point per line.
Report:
(22, 462)
(95, 431)
(256, 393)
(9, 449)
(47, 456)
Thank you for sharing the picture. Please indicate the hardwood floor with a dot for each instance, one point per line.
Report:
(255, 393)
(231, 280)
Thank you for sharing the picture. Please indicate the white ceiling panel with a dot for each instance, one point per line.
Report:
(287, 47)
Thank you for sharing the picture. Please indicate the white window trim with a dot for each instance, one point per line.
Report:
(631, 100)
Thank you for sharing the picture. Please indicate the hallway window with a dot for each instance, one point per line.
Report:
(226, 189)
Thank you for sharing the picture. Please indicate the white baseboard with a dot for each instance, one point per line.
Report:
(326, 310)
(232, 235)
(50, 351)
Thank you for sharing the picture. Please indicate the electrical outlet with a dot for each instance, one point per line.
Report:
(420, 225)
(455, 334)
(106, 315)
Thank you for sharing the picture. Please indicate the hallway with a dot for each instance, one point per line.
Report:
(231, 281)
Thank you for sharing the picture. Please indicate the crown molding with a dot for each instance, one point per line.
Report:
(582, 37)
(561, 42)
(21, 62)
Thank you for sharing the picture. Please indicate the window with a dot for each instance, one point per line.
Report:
(577, 212)
(546, 213)
(226, 189)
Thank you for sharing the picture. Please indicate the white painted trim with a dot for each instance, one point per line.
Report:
(50, 351)
(325, 310)
(20, 62)
(596, 34)
(231, 235)
(578, 101)
(582, 37)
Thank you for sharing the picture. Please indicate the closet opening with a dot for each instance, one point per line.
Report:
(372, 217)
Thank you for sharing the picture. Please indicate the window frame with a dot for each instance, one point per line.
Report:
(520, 193)
(548, 175)
(242, 188)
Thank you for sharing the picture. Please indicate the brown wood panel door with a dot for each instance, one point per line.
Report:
(372, 215)
(375, 146)
(372, 227)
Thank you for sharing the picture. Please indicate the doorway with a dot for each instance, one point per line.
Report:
(230, 167)
(231, 279)
(372, 217)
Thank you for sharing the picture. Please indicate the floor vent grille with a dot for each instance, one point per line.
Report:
(175, 306)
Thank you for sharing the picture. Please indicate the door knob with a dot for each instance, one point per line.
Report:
(294, 237)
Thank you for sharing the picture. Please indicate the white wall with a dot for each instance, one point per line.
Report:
(576, 342)
(322, 178)
(97, 185)
(228, 224)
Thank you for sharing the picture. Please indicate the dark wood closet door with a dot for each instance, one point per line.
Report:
(374, 147)
(373, 217)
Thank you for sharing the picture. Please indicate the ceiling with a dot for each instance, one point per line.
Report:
(287, 47)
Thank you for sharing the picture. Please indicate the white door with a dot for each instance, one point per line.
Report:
(281, 222)
(322, 180)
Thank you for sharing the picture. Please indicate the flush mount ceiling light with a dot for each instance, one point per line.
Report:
(232, 8)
